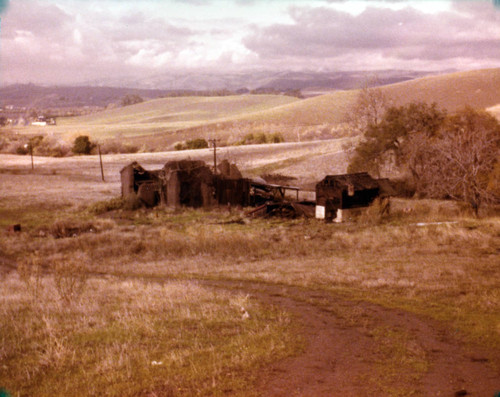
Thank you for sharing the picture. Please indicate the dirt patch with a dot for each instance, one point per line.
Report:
(362, 349)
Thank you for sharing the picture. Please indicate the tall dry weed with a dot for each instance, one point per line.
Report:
(70, 275)
(31, 273)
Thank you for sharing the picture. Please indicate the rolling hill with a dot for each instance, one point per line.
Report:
(479, 89)
(187, 110)
(162, 122)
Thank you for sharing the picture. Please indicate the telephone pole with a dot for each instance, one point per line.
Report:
(100, 162)
(214, 144)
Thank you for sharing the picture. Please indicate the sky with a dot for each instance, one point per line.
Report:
(75, 41)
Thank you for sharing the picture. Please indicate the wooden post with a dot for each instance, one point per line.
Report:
(29, 146)
(214, 143)
(31, 154)
(100, 161)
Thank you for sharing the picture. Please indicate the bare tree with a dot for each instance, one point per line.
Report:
(369, 108)
(461, 161)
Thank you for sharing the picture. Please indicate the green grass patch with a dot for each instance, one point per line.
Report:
(128, 338)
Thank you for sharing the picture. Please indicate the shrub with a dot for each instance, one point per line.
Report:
(261, 137)
(22, 150)
(276, 138)
(198, 143)
(82, 145)
(119, 147)
(34, 143)
(51, 147)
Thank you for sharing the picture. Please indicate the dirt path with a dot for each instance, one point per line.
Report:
(362, 349)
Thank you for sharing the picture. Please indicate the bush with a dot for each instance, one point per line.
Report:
(51, 147)
(276, 138)
(198, 143)
(22, 150)
(82, 145)
(259, 138)
(43, 146)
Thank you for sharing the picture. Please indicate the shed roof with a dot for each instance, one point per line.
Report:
(360, 181)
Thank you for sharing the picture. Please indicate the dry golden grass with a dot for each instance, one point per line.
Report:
(427, 257)
(163, 122)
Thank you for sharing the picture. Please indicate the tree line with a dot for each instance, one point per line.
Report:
(436, 153)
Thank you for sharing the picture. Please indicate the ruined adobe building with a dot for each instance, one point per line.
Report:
(192, 183)
(186, 183)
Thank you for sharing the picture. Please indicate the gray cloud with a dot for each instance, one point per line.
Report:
(42, 20)
(42, 42)
(406, 34)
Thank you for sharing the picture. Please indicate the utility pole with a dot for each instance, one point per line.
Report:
(214, 144)
(29, 146)
(31, 154)
(100, 161)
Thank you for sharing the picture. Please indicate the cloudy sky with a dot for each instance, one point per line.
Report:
(74, 41)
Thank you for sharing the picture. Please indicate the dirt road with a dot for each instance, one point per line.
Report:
(362, 349)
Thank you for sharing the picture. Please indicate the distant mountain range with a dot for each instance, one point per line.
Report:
(105, 92)
(285, 80)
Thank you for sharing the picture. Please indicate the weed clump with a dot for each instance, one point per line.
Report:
(101, 207)
(197, 143)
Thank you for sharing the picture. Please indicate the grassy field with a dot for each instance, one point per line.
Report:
(109, 302)
(131, 337)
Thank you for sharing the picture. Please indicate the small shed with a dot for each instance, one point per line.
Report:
(339, 192)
